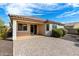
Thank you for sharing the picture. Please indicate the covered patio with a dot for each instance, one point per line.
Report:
(23, 27)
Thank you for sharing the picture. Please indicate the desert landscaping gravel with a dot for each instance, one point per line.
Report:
(45, 46)
(6, 48)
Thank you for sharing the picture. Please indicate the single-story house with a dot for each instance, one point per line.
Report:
(24, 26)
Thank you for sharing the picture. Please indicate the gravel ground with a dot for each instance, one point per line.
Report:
(6, 48)
(45, 46)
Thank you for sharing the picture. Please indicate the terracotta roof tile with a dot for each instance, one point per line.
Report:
(31, 18)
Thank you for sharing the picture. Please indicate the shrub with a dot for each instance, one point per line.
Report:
(57, 33)
(3, 30)
(64, 31)
(77, 31)
(3, 33)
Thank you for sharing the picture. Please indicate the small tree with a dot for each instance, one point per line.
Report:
(1, 23)
(3, 30)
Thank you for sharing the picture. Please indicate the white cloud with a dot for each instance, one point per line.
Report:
(74, 4)
(50, 6)
(13, 10)
(68, 14)
(22, 9)
(18, 9)
(39, 1)
(27, 9)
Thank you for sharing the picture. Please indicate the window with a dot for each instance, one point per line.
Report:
(54, 26)
(47, 27)
(22, 27)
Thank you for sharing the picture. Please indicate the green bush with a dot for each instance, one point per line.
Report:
(64, 31)
(77, 31)
(3, 32)
(3, 29)
(57, 33)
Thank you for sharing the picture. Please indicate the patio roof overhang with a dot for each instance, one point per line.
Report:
(31, 19)
(26, 19)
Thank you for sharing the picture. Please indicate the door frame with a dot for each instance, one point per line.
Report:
(33, 29)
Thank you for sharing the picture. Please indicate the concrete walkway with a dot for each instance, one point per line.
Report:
(45, 46)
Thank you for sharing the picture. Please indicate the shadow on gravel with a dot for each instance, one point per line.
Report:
(6, 47)
(70, 37)
(77, 44)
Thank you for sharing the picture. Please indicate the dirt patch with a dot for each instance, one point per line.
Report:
(6, 48)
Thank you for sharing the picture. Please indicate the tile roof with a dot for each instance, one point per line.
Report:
(31, 18)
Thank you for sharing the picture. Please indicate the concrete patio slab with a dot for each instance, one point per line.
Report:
(45, 46)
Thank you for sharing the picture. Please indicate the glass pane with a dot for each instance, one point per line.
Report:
(24, 27)
(20, 27)
(47, 27)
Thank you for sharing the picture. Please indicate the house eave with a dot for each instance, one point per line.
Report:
(32, 19)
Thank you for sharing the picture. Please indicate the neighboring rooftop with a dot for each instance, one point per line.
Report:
(71, 24)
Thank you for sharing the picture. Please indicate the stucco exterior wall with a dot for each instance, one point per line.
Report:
(48, 33)
(24, 34)
(59, 26)
(41, 29)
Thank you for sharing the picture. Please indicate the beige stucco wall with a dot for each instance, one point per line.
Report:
(60, 26)
(41, 29)
(48, 33)
(24, 34)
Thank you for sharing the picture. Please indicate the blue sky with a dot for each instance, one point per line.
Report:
(60, 12)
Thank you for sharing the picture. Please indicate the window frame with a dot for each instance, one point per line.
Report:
(19, 27)
(22, 27)
(47, 27)
(54, 26)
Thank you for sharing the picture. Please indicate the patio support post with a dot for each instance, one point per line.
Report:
(14, 29)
